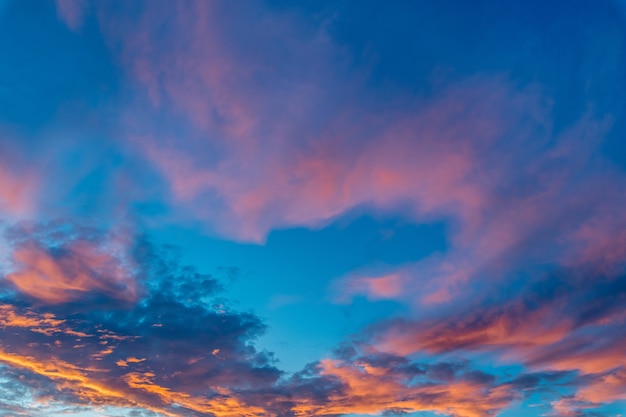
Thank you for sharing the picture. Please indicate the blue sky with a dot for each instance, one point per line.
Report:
(272, 208)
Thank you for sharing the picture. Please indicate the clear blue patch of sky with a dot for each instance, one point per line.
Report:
(48, 73)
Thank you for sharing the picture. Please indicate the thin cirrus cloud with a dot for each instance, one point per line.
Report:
(484, 153)
(19, 184)
(15, 195)
(72, 13)
(243, 159)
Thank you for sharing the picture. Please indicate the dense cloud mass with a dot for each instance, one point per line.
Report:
(170, 347)
(175, 350)
(423, 203)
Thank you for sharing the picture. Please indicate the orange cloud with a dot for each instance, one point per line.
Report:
(68, 376)
(372, 390)
(9, 317)
(225, 405)
(46, 324)
(83, 268)
(105, 378)
(515, 328)
(73, 378)
(92, 385)
(600, 389)
(568, 322)
(605, 388)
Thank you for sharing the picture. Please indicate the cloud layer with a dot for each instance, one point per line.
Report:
(502, 122)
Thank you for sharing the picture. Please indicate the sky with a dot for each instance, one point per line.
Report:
(269, 208)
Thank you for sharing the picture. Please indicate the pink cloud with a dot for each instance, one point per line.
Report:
(72, 12)
(524, 216)
(81, 268)
(514, 330)
(480, 153)
(606, 388)
(17, 192)
(418, 158)
(266, 146)
(384, 287)
(375, 287)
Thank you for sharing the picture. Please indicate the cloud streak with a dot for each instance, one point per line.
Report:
(567, 321)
